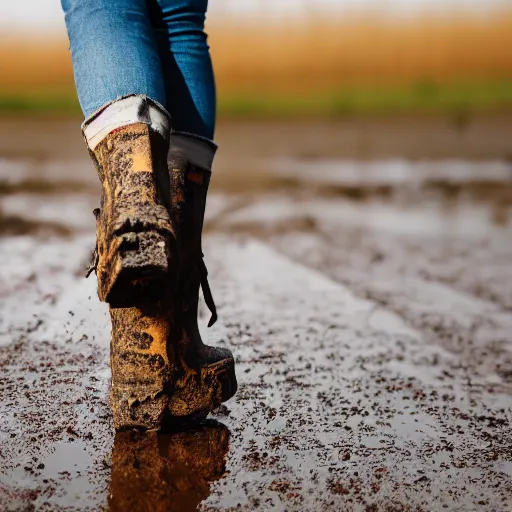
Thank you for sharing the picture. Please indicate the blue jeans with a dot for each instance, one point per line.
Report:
(155, 48)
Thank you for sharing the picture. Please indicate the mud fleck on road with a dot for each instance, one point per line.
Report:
(367, 302)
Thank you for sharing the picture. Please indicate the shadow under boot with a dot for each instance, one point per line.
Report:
(153, 472)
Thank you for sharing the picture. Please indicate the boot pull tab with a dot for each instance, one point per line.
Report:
(208, 297)
(93, 264)
(195, 175)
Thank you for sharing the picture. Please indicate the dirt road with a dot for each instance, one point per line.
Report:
(366, 296)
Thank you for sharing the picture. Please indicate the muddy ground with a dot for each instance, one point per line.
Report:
(362, 270)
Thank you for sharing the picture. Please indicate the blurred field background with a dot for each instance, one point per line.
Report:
(318, 62)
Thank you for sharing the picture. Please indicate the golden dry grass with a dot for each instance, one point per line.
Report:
(317, 55)
(324, 55)
(35, 64)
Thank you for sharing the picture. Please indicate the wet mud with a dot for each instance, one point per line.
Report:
(371, 331)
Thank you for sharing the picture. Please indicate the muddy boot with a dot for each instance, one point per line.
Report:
(143, 363)
(205, 375)
(128, 140)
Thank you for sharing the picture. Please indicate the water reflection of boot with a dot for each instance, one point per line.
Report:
(205, 375)
(154, 472)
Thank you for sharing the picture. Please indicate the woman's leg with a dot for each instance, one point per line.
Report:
(114, 51)
(186, 64)
(123, 78)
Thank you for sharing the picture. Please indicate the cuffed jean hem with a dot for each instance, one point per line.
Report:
(199, 151)
(124, 111)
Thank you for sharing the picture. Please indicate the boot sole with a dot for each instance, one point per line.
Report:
(139, 269)
(202, 392)
(216, 383)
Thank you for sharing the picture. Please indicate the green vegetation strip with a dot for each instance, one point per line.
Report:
(56, 102)
(420, 97)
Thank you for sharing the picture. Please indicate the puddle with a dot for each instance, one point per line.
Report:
(69, 458)
(428, 219)
(70, 465)
(394, 172)
(65, 474)
(150, 471)
(505, 467)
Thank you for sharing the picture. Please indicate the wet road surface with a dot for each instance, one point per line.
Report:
(369, 308)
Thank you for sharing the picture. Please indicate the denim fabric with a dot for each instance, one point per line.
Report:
(155, 48)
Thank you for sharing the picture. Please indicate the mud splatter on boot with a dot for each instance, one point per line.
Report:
(143, 363)
(205, 375)
(135, 237)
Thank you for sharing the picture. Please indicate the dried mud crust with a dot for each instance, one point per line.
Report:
(135, 237)
(141, 365)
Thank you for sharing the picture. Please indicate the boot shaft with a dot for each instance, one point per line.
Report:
(189, 185)
(189, 188)
(131, 165)
(135, 236)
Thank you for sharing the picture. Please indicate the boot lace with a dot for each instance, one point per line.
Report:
(93, 264)
(207, 292)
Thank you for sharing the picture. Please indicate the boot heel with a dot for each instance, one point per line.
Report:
(142, 363)
(130, 412)
(139, 269)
